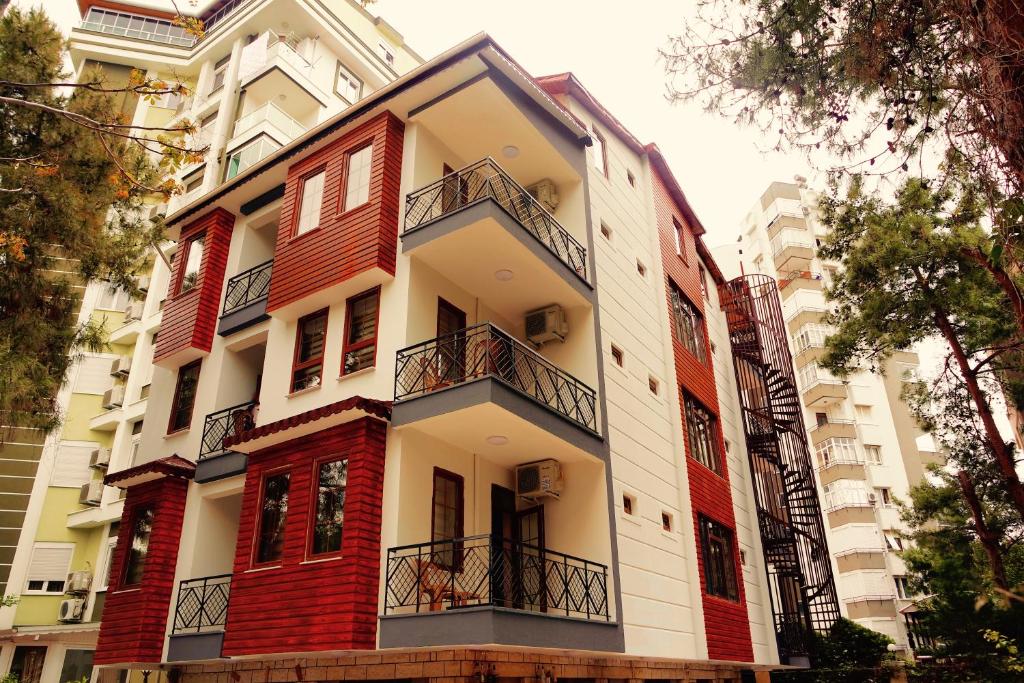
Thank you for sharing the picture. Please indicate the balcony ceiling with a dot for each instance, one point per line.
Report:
(292, 95)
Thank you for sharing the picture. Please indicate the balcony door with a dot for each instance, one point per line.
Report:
(451, 343)
(517, 553)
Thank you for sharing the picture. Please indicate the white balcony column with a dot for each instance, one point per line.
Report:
(225, 120)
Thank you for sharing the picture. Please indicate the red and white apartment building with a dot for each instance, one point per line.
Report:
(443, 386)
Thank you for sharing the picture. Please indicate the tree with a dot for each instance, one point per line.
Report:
(848, 652)
(906, 278)
(74, 179)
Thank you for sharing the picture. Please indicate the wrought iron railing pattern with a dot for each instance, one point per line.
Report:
(202, 604)
(485, 351)
(489, 571)
(248, 287)
(224, 423)
(487, 180)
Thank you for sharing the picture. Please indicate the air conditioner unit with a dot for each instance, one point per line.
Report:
(79, 582)
(133, 311)
(71, 611)
(539, 479)
(143, 283)
(100, 458)
(546, 324)
(92, 493)
(113, 397)
(157, 210)
(872, 499)
(122, 365)
(545, 192)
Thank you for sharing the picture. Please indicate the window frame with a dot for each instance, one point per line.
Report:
(346, 345)
(690, 406)
(680, 233)
(603, 144)
(175, 409)
(302, 365)
(688, 324)
(137, 511)
(183, 257)
(460, 517)
(257, 539)
(314, 508)
(338, 69)
(46, 582)
(343, 207)
(297, 230)
(712, 531)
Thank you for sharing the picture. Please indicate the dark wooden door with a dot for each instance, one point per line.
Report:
(451, 344)
(531, 574)
(503, 534)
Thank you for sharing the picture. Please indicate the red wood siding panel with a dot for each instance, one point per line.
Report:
(190, 319)
(347, 242)
(300, 606)
(135, 619)
(726, 622)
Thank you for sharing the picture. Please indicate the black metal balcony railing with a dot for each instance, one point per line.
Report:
(486, 180)
(488, 571)
(248, 287)
(202, 604)
(224, 423)
(484, 351)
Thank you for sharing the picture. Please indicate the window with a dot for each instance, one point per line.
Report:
(312, 197)
(884, 496)
(688, 323)
(77, 665)
(330, 507)
(346, 85)
(447, 513)
(387, 53)
(704, 283)
(27, 664)
(48, 569)
(837, 449)
(618, 356)
(719, 565)
(193, 182)
(863, 412)
(360, 348)
(727, 445)
(902, 588)
(666, 522)
(138, 545)
(112, 299)
(273, 513)
(71, 466)
(628, 503)
(630, 178)
(92, 374)
(680, 234)
(193, 262)
(308, 365)
(600, 151)
(873, 454)
(184, 397)
(653, 384)
(641, 268)
(606, 232)
(759, 263)
(220, 70)
(108, 563)
(893, 541)
(357, 182)
(702, 435)
(245, 157)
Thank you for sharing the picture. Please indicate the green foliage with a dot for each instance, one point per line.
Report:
(71, 209)
(848, 652)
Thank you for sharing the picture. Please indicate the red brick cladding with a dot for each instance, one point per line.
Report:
(135, 619)
(190, 319)
(346, 243)
(311, 606)
(726, 622)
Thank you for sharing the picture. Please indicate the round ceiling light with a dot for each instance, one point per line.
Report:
(497, 440)
(510, 151)
(503, 275)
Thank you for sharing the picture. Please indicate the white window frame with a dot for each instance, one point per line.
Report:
(387, 53)
(358, 194)
(311, 199)
(108, 560)
(62, 446)
(67, 570)
(872, 454)
(353, 82)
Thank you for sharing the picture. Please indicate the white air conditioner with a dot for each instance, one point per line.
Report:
(546, 324)
(143, 283)
(71, 610)
(113, 397)
(539, 479)
(157, 210)
(100, 458)
(133, 311)
(872, 499)
(79, 582)
(122, 365)
(92, 493)
(545, 192)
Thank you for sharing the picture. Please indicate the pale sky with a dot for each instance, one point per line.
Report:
(612, 49)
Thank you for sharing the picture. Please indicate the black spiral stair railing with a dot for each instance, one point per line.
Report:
(802, 588)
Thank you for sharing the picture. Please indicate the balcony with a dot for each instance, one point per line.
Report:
(487, 234)
(833, 429)
(801, 279)
(805, 315)
(487, 589)
(793, 255)
(272, 66)
(785, 220)
(245, 299)
(841, 468)
(473, 383)
(215, 461)
(199, 617)
(271, 120)
(822, 392)
(138, 27)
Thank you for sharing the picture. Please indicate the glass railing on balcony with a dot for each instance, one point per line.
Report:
(242, 159)
(270, 47)
(489, 571)
(272, 115)
(137, 26)
(485, 351)
(779, 246)
(224, 423)
(248, 287)
(202, 605)
(486, 180)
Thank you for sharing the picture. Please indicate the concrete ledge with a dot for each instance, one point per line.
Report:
(242, 318)
(227, 464)
(186, 647)
(487, 625)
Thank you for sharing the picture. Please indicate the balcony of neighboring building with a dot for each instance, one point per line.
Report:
(809, 343)
(860, 559)
(833, 428)
(788, 220)
(847, 501)
(806, 280)
(804, 314)
(276, 68)
(481, 557)
(246, 292)
(792, 251)
(820, 388)
(147, 27)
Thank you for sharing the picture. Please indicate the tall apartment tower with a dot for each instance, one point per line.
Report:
(863, 439)
(439, 384)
